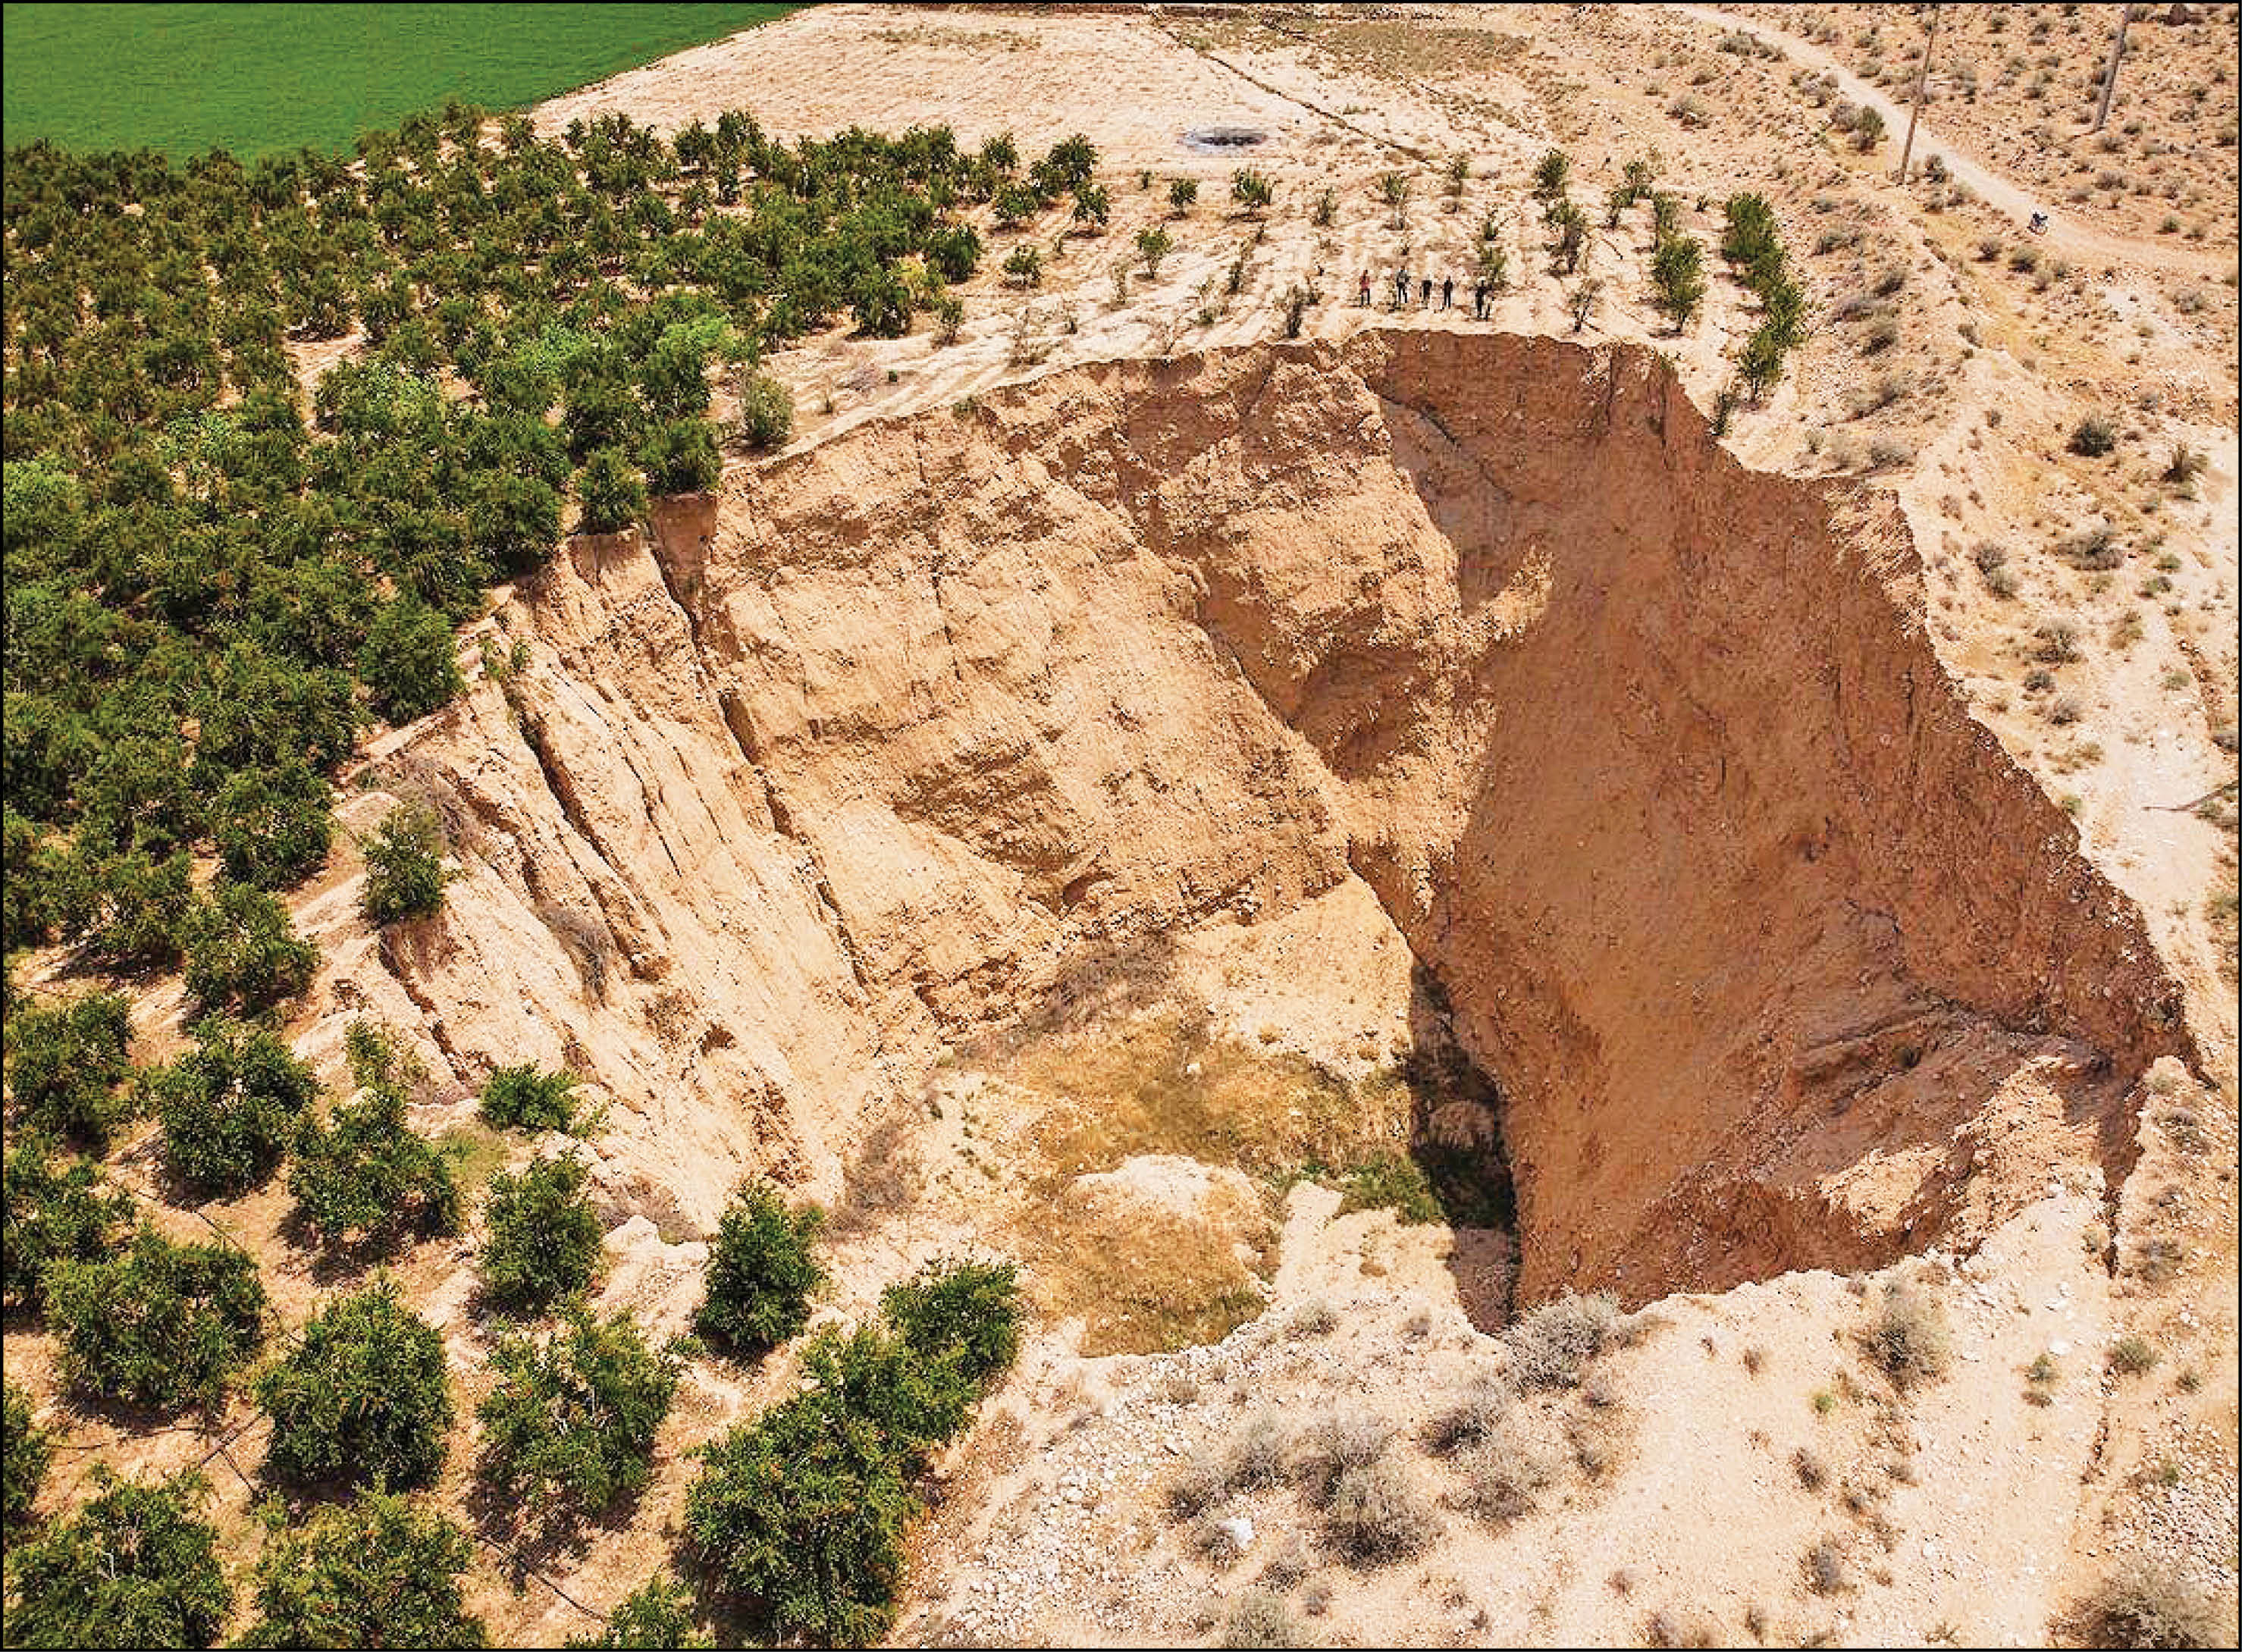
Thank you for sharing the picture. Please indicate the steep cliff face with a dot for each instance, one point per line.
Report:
(1781, 962)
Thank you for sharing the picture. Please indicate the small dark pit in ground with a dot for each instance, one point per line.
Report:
(1223, 140)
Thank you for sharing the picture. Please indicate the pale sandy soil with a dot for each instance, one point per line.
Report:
(2019, 87)
(1052, 1522)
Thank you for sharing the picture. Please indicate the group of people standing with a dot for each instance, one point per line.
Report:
(1482, 293)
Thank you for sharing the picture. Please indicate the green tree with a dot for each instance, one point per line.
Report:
(766, 411)
(761, 1272)
(23, 1464)
(657, 1615)
(363, 1173)
(407, 663)
(136, 1567)
(1677, 274)
(1551, 175)
(970, 1307)
(66, 1067)
(541, 1237)
(1152, 245)
(362, 1397)
(681, 457)
(374, 1572)
(243, 953)
(524, 1099)
(611, 491)
(575, 1412)
(273, 827)
(65, 1213)
(159, 1324)
(404, 872)
(229, 1106)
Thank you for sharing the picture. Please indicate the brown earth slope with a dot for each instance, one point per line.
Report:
(1780, 959)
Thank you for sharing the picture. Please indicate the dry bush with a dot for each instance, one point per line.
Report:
(1683, 1627)
(1826, 1573)
(883, 1178)
(1376, 1513)
(1338, 1445)
(1260, 1617)
(1505, 1474)
(2155, 1605)
(1911, 1339)
(1812, 1472)
(1551, 1347)
(1258, 1456)
(1470, 1418)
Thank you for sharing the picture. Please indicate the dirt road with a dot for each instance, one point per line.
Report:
(2065, 232)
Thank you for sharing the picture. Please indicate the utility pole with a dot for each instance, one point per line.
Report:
(1922, 76)
(2110, 75)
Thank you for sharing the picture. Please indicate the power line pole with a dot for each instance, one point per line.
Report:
(1921, 77)
(2110, 75)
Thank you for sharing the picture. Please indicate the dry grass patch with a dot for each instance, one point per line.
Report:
(1144, 1281)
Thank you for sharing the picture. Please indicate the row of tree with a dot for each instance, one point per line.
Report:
(211, 588)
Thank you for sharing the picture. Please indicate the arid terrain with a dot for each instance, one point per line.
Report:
(1188, 730)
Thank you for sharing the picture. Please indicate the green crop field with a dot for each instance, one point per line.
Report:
(257, 79)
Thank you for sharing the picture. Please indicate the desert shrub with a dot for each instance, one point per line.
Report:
(363, 1172)
(2132, 1356)
(766, 411)
(374, 1572)
(136, 1567)
(229, 1106)
(657, 1615)
(524, 1099)
(575, 1413)
(1506, 1472)
(2154, 1605)
(404, 866)
(1825, 1568)
(1337, 1446)
(1260, 1617)
(1910, 1338)
(2185, 466)
(361, 1397)
(1377, 1514)
(54, 1213)
(761, 1274)
(1474, 1415)
(2093, 436)
(1812, 1472)
(970, 1307)
(23, 1464)
(1551, 1347)
(66, 1068)
(158, 1324)
(273, 826)
(243, 953)
(1152, 245)
(1023, 266)
(541, 1236)
(1251, 190)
